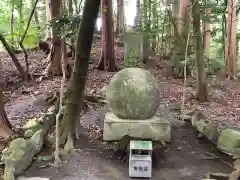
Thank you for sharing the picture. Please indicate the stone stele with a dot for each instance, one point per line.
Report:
(133, 94)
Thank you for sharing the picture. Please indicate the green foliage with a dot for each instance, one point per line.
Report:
(22, 9)
(132, 58)
(67, 25)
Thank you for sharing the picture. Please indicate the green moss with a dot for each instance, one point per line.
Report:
(32, 126)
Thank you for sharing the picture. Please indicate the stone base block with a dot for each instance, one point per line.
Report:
(155, 128)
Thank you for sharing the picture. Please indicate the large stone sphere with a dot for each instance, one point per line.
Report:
(133, 94)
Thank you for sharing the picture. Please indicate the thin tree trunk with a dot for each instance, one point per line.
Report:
(230, 46)
(201, 77)
(15, 60)
(75, 91)
(120, 17)
(207, 33)
(5, 126)
(54, 66)
(155, 26)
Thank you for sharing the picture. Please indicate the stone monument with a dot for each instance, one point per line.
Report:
(133, 50)
(133, 98)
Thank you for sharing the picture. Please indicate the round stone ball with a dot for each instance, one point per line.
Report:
(133, 93)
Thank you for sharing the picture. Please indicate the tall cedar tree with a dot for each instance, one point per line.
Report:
(107, 58)
(201, 77)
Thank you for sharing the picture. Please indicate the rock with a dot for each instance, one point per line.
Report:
(211, 132)
(48, 120)
(195, 118)
(176, 107)
(32, 126)
(201, 125)
(37, 141)
(18, 156)
(52, 109)
(133, 94)
(218, 176)
(103, 92)
(229, 142)
(208, 129)
(156, 128)
(186, 118)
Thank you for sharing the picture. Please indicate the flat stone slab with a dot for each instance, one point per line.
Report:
(156, 128)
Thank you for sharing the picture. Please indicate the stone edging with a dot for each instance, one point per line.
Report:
(226, 140)
(18, 156)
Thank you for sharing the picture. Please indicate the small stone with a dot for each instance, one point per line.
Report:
(185, 117)
(48, 120)
(31, 178)
(179, 148)
(51, 109)
(40, 159)
(176, 107)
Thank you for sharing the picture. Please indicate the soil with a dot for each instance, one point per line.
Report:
(184, 159)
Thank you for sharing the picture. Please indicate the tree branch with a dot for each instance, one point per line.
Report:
(15, 60)
(24, 35)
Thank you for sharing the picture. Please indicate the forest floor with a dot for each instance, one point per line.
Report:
(185, 159)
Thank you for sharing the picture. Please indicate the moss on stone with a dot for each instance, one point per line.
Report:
(133, 94)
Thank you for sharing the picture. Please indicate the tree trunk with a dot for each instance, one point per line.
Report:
(48, 30)
(54, 66)
(207, 33)
(137, 19)
(201, 77)
(183, 18)
(70, 13)
(146, 30)
(5, 126)
(230, 46)
(120, 17)
(75, 91)
(107, 38)
(15, 60)
(155, 25)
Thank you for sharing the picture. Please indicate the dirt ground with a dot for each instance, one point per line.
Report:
(185, 159)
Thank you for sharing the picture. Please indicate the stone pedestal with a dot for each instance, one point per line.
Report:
(155, 128)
